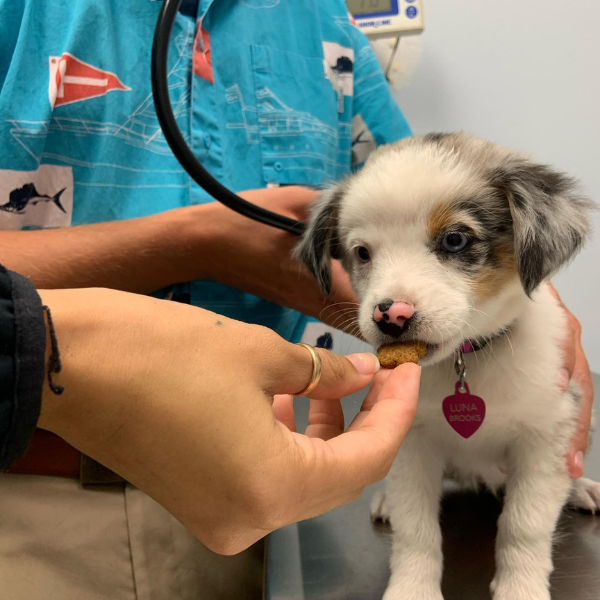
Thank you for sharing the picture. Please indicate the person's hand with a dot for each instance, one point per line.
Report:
(179, 402)
(257, 258)
(576, 367)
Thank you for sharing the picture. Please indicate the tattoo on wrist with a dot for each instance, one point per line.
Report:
(54, 362)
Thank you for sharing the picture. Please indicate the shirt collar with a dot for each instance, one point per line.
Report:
(195, 9)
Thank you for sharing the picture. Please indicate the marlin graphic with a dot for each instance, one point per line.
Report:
(21, 198)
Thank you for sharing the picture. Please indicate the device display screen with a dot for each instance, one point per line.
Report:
(362, 7)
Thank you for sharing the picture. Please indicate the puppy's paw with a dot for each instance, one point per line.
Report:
(409, 592)
(379, 510)
(585, 495)
(512, 589)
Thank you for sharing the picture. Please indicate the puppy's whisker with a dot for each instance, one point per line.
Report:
(347, 325)
(339, 303)
(440, 334)
(477, 334)
(449, 332)
(465, 336)
(343, 305)
(329, 312)
(333, 322)
(490, 353)
(342, 318)
(351, 322)
(355, 331)
(502, 327)
(339, 311)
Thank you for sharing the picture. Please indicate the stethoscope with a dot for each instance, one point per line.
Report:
(180, 149)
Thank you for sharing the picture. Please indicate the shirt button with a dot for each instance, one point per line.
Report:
(278, 166)
(206, 139)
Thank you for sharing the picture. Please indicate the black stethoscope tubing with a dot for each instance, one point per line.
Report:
(182, 152)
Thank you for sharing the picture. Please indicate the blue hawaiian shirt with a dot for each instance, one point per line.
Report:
(266, 92)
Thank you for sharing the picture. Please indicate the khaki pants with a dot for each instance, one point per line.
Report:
(59, 541)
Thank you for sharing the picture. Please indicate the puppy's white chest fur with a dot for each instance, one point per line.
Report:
(516, 376)
(526, 432)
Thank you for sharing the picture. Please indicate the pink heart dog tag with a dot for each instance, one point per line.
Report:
(464, 412)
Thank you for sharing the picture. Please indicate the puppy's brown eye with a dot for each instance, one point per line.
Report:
(363, 254)
(454, 242)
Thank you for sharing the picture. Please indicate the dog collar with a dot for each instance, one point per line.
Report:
(469, 346)
(474, 345)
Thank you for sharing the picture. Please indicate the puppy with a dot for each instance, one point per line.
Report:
(449, 240)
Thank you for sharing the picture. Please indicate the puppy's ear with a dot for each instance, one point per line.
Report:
(550, 218)
(320, 242)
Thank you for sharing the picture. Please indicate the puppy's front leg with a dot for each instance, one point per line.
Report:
(537, 489)
(413, 490)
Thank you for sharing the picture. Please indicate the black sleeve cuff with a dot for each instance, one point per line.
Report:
(22, 360)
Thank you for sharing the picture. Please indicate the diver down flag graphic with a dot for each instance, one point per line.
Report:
(72, 80)
(202, 57)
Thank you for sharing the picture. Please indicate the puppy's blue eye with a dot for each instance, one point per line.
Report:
(454, 241)
(363, 254)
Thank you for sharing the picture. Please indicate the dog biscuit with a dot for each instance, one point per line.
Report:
(393, 355)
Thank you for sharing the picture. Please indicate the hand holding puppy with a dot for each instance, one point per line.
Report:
(576, 367)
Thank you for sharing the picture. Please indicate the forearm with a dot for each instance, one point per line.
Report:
(97, 332)
(138, 255)
(224, 466)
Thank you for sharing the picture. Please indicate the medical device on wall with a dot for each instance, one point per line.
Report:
(387, 18)
(391, 19)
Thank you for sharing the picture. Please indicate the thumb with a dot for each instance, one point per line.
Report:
(340, 375)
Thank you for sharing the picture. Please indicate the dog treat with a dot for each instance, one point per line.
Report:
(393, 355)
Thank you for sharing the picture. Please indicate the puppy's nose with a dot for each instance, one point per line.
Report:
(394, 313)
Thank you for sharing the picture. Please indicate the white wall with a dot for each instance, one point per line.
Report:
(527, 74)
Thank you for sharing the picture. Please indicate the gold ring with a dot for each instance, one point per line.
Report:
(316, 371)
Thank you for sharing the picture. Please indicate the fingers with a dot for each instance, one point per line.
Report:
(378, 382)
(576, 367)
(364, 454)
(575, 460)
(580, 441)
(372, 397)
(293, 200)
(291, 372)
(570, 345)
(570, 342)
(554, 292)
(325, 419)
(326, 474)
(283, 409)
